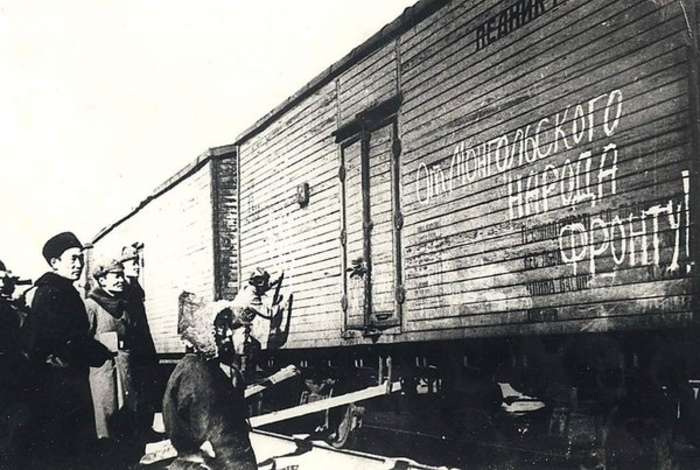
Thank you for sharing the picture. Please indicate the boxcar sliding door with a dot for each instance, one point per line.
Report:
(372, 223)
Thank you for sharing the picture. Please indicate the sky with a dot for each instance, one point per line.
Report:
(102, 101)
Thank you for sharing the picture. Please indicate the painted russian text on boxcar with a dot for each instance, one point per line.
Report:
(509, 19)
(652, 233)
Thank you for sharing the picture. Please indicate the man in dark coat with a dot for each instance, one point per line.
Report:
(61, 351)
(201, 404)
(144, 360)
(14, 410)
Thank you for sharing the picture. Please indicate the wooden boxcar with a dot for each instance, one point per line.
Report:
(185, 224)
(481, 169)
(502, 185)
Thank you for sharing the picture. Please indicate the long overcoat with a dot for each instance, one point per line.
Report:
(144, 359)
(115, 398)
(60, 351)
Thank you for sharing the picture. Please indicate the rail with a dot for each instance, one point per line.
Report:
(275, 451)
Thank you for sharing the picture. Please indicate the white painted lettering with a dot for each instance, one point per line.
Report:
(614, 100)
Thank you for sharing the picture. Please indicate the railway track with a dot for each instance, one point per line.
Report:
(279, 452)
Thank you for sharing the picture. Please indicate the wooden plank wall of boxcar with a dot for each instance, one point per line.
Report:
(277, 234)
(176, 229)
(545, 169)
(544, 182)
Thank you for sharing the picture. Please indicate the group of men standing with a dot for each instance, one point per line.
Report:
(79, 370)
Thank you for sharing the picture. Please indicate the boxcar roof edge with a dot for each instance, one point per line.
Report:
(410, 17)
(170, 183)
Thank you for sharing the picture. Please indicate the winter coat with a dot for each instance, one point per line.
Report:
(14, 410)
(60, 351)
(143, 355)
(143, 349)
(201, 404)
(10, 349)
(114, 396)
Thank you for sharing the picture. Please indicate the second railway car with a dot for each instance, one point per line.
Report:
(182, 228)
(496, 191)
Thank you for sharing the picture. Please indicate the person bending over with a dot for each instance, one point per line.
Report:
(201, 404)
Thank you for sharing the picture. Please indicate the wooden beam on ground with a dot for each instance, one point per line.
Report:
(283, 374)
(322, 405)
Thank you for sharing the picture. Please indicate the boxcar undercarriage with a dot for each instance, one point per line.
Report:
(611, 400)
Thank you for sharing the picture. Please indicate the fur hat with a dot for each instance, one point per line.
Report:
(196, 325)
(57, 244)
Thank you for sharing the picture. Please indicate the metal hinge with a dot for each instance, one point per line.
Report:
(341, 173)
(343, 237)
(400, 294)
(396, 147)
(398, 221)
(344, 303)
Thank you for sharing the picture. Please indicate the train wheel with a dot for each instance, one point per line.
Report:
(346, 432)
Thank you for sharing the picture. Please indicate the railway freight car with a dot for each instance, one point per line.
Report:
(180, 229)
(484, 192)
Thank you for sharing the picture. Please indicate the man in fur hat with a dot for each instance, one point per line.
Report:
(61, 351)
(201, 404)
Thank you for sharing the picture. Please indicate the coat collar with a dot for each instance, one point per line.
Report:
(53, 279)
(115, 306)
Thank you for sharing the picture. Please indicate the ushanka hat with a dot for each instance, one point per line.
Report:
(196, 323)
(57, 244)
